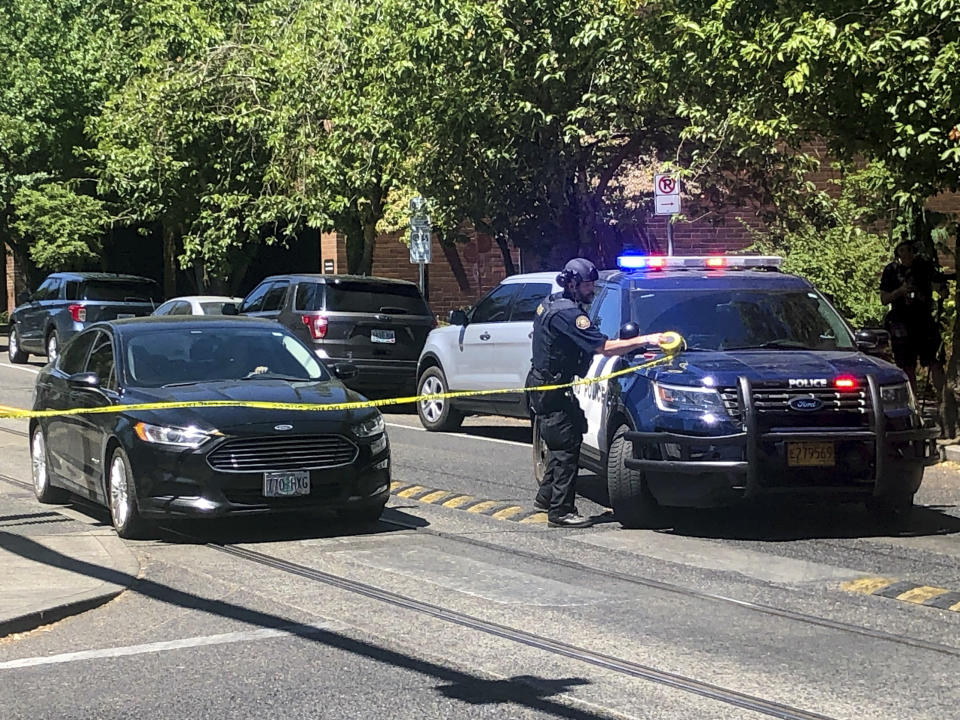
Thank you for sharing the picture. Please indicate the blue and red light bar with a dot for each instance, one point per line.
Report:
(693, 262)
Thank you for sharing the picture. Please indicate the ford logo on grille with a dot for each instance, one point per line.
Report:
(805, 404)
(281, 428)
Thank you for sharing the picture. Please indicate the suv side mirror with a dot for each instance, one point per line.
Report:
(629, 331)
(22, 297)
(457, 317)
(345, 371)
(871, 340)
(229, 308)
(84, 381)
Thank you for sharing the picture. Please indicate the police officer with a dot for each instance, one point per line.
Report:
(564, 341)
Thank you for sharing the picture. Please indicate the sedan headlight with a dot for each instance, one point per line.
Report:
(370, 427)
(189, 437)
(674, 398)
(898, 397)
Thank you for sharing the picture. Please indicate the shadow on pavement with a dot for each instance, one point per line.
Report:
(259, 528)
(529, 691)
(785, 521)
(513, 433)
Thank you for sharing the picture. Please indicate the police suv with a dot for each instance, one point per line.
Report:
(773, 394)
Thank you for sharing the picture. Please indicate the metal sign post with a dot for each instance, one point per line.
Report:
(420, 233)
(666, 198)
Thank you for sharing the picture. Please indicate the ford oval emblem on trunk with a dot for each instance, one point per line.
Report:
(283, 427)
(805, 404)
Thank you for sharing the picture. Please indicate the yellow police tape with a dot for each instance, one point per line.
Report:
(670, 346)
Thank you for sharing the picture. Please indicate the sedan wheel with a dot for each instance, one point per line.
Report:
(121, 496)
(42, 488)
(14, 351)
(53, 347)
(436, 414)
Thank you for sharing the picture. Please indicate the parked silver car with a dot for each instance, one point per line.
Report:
(484, 348)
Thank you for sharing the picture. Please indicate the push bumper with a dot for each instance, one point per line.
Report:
(898, 456)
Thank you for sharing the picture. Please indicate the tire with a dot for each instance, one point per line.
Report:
(436, 415)
(633, 504)
(15, 352)
(362, 515)
(540, 453)
(40, 467)
(52, 346)
(122, 498)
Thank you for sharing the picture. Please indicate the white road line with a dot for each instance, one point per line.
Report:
(20, 367)
(222, 639)
(465, 436)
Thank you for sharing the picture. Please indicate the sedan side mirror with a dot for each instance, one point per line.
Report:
(229, 308)
(457, 317)
(84, 381)
(345, 371)
(22, 297)
(629, 331)
(871, 340)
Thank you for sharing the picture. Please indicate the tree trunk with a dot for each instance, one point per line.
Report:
(504, 246)
(169, 261)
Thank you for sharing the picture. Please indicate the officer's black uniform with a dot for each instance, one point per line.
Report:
(564, 341)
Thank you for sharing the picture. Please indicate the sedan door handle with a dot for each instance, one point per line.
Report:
(485, 336)
(530, 334)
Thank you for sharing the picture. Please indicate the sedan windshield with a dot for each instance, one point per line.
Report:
(180, 356)
(742, 319)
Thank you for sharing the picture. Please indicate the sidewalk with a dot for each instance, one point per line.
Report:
(45, 558)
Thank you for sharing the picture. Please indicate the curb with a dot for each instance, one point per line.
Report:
(39, 618)
(950, 453)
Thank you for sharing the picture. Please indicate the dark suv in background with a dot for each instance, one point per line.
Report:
(376, 324)
(68, 302)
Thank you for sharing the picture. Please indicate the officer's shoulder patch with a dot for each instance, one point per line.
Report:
(583, 322)
(540, 309)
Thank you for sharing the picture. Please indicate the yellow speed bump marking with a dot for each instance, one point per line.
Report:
(410, 491)
(394, 485)
(459, 501)
(955, 608)
(535, 518)
(867, 586)
(921, 594)
(507, 513)
(434, 496)
(481, 506)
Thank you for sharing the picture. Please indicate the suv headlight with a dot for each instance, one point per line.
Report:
(674, 398)
(369, 427)
(897, 397)
(189, 437)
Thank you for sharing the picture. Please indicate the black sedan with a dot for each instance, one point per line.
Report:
(146, 465)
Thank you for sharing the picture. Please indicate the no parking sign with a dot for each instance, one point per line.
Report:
(666, 194)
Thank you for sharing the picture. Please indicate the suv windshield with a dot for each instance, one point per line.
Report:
(742, 319)
(175, 356)
(366, 297)
(120, 291)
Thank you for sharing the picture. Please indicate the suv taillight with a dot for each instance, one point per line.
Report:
(77, 312)
(317, 324)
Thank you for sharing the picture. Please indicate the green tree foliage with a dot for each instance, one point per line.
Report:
(56, 72)
(63, 228)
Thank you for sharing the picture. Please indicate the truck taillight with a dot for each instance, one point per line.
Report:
(77, 312)
(317, 324)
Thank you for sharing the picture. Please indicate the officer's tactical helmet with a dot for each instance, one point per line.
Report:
(579, 270)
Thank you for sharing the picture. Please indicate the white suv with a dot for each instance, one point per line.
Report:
(485, 348)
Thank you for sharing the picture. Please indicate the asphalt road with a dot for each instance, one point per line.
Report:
(440, 612)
